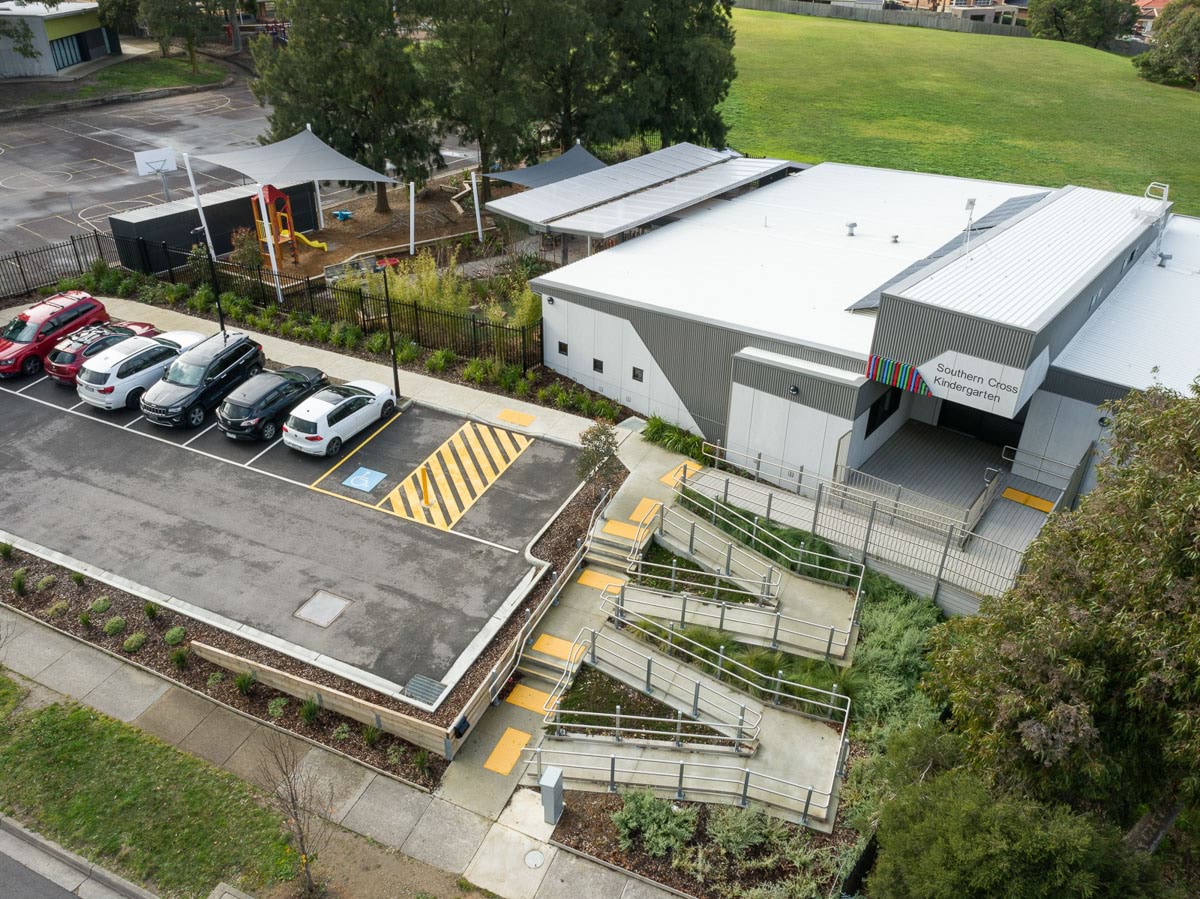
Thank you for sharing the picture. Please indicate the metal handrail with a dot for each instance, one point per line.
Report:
(783, 630)
(1041, 463)
(642, 569)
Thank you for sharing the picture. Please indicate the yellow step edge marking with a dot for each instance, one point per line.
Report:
(673, 476)
(513, 417)
(621, 529)
(528, 698)
(599, 581)
(550, 645)
(644, 508)
(1028, 499)
(507, 752)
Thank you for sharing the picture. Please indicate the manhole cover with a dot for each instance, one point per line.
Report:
(322, 609)
(534, 858)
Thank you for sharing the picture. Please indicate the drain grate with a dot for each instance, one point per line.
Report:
(322, 609)
(424, 689)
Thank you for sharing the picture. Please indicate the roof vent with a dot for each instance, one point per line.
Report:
(850, 226)
(1162, 259)
(895, 238)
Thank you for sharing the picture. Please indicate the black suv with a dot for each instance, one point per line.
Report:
(256, 409)
(199, 379)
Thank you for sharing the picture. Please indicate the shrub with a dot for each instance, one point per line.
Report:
(440, 360)
(408, 352)
(127, 287)
(236, 307)
(310, 710)
(523, 388)
(179, 658)
(77, 578)
(69, 284)
(174, 636)
(177, 293)
(605, 409)
(46, 583)
(377, 343)
(216, 678)
(151, 611)
(371, 735)
(477, 371)
(579, 400)
(114, 625)
(57, 609)
(422, 760)
(509, 377)
(85, 621)
(100, 605)
(655, 823)
(247, 251)
(674, 438)
(276, 706)
(18, 582)
(152, 293)
(6, 551)
(341, 732)
(550, 394)
(346, 335)
(110, 283)
(286, 328)
(395, 755)
(134, 642)
(244, 682)
(320, 330)
(202, 300)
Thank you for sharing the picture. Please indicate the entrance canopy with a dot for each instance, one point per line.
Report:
(304, 157)
(576, 161)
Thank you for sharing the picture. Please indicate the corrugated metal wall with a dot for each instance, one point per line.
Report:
(816, 393)
(914, 333)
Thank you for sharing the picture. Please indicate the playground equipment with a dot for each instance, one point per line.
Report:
(278, 229)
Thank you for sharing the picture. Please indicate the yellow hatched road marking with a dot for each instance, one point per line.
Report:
(460, 472)
(528, 698)
(507, 752)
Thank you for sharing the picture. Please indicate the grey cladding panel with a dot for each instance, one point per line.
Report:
(817, 393)
(1080, 387)
(915, 333)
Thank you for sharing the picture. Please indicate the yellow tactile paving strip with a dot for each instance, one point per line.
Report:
(550, 645)
(672, 477)
(1028, 499)
(507, 752)
(459, 472)
(528, 698)
(513, 417)
(599, 581)
(644, 508)
(621, 529)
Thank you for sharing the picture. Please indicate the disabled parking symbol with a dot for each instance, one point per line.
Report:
(364, 479)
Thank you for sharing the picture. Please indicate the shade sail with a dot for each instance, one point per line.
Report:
(304, 157)
(576, 161)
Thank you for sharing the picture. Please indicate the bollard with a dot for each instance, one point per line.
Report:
(775, 632)
(617, 734)
(551, 786)
(649, 668)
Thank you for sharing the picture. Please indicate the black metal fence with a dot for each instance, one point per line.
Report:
(27, 271)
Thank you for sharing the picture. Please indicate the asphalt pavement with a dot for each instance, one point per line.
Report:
(19, 881)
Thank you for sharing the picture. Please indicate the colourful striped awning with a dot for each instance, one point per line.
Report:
(896, 374)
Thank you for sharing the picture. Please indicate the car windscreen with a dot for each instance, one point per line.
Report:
(91, 376)
(61, 357)
(183, 373)
(19, 331)
(234, 411)
(302, 425)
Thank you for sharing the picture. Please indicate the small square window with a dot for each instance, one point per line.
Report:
(562, 348)
(598, 365)
(637, 374)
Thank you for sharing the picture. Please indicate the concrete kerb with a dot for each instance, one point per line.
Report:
(26, 112)
(479, 419)
(93, 872)
(632, 875)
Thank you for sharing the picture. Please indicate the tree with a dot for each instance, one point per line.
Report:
(349, 71)
(16, 31)
(247, 249)
(1079, 685)
(301, 797)
(481, 55)
(1175, 56)
(119, 15)
(1092, 23)
(950, 837)
(598, 455)
(675, 62)
(184, 21)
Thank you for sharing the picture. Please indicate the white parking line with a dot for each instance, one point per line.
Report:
(34, 384)
(131, 424)
(201, 434)
(77, 405)
(278, 440)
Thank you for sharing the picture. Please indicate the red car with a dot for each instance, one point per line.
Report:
(28, 339)
(70, 353)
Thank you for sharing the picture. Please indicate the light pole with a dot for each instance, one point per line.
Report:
(387, 302)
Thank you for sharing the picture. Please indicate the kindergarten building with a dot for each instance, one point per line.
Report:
(942, 340)
(60, 36)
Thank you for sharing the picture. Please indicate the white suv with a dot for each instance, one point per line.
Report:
(118, 377)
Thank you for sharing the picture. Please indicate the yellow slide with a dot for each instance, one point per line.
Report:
(316, 244)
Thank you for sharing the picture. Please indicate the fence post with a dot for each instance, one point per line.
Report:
(829, 644)
(807, 803)
(78, 258)
(775, 697)
(167, 257)
(524, 348)
(674, 568)
(692, 540)
(721, 621)
(593, 646)
(612, 774)
(649, 671)
(817, 508)
(937, 582)
(746, 788)
(696, 701)
(867, 535)
(474, 336)
(683, 611)
(720, 661)
(737, 743)
(678, 728)
(621, 605)
(775, 632)
(770, 497)
(725, 495)
(670, 637)
(99, 246)
(729, 559)
(757, 467)
(417, 323)
(661, 519)
(679, 790)
(800, 480)
(308, 297)
(21, 269)
(617, 728)
(145, 254)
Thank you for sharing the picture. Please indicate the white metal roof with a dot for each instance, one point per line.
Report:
(657, 202)
(777, 261)
(801, 366)
(1151, 319)
(1023, 273)
(542, 205)
(12, 9)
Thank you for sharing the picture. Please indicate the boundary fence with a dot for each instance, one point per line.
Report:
(911, 17)
(25, 272)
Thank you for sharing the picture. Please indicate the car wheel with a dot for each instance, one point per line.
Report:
(195, 416)
(388, 408)
(335, 447)
(32, 365)
(134, 398)
(253, 370)
(269, 430)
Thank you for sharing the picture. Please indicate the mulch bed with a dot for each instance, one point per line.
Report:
(69, 601)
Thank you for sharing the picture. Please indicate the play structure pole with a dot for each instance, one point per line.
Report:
(475, 200)
(262, 204)
(412, 218)
(317, 188)
(187, 164)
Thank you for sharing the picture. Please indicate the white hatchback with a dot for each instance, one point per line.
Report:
(331, 416)
(117, 378)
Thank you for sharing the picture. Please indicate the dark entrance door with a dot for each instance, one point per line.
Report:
(982, 425)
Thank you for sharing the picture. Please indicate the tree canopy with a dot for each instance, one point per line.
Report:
(18, 32)
(1082, 683)
(350, 71)
(1174, 57)
(1092, 23)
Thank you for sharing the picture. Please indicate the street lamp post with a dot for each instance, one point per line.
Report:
(387, 302)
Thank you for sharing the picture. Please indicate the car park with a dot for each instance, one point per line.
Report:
(69, 354)
(119, 375)
(200, 378)
(325, 421)
(31, 336)
(257, 409)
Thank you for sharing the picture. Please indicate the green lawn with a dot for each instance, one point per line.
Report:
(154, 814)
(1012, 109)
(148, 72)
